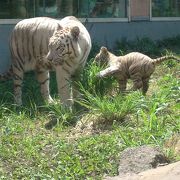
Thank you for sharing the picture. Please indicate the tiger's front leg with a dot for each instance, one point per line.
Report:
(63, 78)
(108, 71)
(122, 85)
(43, 79)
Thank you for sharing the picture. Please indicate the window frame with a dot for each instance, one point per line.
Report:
(161, 18)
(88, 19)
(104, 20)
(83, 20)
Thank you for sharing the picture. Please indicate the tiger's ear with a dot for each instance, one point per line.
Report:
(104, 49)
(75, 32)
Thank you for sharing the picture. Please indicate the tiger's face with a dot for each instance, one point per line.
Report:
(102, 57)
(62, 45)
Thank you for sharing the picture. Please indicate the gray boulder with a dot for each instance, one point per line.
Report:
(168, 172)
(138, 159)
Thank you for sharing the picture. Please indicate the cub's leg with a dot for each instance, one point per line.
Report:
(137, 84)
(145, 85)
(17, 82)
(43, 79)
(137, 81)
(122, 85)
(108, 71)
(64, 86)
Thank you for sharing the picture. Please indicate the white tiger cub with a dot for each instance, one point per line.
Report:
(42, 44)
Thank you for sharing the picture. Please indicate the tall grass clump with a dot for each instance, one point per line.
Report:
(91, 83)
(59, 115)
(110, 108)
(172, 42)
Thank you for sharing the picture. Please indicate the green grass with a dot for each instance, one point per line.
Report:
(39, 141)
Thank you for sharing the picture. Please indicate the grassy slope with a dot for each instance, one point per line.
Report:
(29, 150)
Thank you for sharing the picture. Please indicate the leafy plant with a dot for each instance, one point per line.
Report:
(93, 84)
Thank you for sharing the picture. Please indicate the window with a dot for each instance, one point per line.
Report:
(165, 8)
(15, 9)
(56, 8)
(140, 10)
(107, 8)
(11, 9)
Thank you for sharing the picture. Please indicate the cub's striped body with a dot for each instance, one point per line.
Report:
(135, 66)
(42, 44)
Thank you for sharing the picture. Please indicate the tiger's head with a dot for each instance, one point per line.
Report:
(62, 45)
(102, 57)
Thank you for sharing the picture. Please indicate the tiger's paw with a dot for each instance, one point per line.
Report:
(49, 100)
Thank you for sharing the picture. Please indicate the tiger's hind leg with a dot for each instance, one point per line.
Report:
(137, 82)
(145, 85)
(43, 79)
(17, 83)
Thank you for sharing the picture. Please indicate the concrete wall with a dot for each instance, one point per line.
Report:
(4, 47)
(108, 33)
(105, 34)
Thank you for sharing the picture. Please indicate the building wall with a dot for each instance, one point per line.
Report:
(4, 47)
(109, 33)
(105, 34)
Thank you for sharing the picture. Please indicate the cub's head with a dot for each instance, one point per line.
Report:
(63, 45)
(102, 57)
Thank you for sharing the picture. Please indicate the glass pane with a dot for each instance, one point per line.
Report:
(83, 8)
(56, 8)
(45, 8)
(107, 8)
(165, 8)
(67, 8)
(11, 9)
(15, 9)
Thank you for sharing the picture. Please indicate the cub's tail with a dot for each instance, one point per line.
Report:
(163, 58)
(7, 75)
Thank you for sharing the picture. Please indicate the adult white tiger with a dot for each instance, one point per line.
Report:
(42, 44)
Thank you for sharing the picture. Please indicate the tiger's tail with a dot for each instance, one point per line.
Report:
(7, 75)
(163, 58)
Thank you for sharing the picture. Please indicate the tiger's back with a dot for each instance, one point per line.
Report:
(137, 63)
(29, 41)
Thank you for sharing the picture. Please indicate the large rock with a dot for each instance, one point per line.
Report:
(138, 159)
(168, 172)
